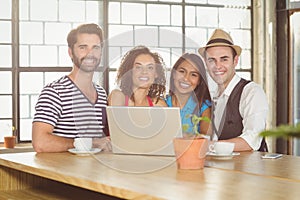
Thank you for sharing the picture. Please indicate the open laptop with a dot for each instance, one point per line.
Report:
(143, 130)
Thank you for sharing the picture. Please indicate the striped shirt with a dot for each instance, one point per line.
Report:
(64, 106)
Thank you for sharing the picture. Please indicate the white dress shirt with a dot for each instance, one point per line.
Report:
(253, 109)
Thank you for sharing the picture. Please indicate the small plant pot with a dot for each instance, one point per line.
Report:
(9, 141)
(190, 153)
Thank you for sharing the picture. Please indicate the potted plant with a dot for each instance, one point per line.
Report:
(191, 149)
(10, 139)
(284, 131)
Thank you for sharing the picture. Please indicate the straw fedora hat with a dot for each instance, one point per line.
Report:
(220, 38)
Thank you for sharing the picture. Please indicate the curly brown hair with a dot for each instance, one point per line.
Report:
(124, 75)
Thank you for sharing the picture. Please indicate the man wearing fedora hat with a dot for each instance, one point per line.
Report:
(240, 106)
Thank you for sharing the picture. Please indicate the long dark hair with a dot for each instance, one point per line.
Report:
(201, 92)
(124, 75)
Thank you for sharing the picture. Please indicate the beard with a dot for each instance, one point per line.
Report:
(87, 63)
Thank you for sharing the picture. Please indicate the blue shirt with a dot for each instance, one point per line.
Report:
(189, 109)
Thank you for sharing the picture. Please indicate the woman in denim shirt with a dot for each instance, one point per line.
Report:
(189, 91)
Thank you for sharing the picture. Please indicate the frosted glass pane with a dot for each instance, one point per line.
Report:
(64, 58)
(170, 37)
(207, 17)
(6, 106)
(125, 49)
(31, 32)
(176, 18)
(295, 62)
(190, 19)
(246, 19)
(171, 1)
(5, 129)
(114, 13)
(176, 53)
(5, 30)
(52, 76)
(24, 10)
(120, 35)
(114, 57)
(24, 55)
(231, 2)
(71, 11)
(195, 37)
(25, 129)
(92, 11)
(245, 75)
(225, 18)
(31, 82)
(33, 101)
(45, 10)
(5, 9)
(5, 52)
(112, 81)
(158, 14)
(133, 13)
(196, 1)
(146, 35)
(43, 56)
(245, 59)
(24, 106)
(6, 81)
(165, 53)
(56, 33)
(241, 38)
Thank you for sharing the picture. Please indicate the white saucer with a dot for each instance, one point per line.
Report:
(92, 151)
(222, 156)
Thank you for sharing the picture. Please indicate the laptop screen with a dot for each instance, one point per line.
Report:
(144, 130)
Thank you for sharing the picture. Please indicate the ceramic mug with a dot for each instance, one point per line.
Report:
(83, 144)
(222, 148)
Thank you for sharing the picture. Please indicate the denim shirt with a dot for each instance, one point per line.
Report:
(189, 109)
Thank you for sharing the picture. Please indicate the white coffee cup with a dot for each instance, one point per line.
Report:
(83, 144)
(222, 148)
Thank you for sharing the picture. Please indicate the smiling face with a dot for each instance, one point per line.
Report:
(143, 71)
(86, 53)
(186, 78)
(221, 64)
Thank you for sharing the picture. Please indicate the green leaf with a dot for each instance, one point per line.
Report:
(195, 121)
(185, 127)
(283, 131)
(188, 116)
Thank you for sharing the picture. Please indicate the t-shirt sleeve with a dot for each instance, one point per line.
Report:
(205, 105)
(48, 107)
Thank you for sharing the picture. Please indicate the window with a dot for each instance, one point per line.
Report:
(295, 28)
(6, 112)
(162, 25)
(33, 45)
(41, 53)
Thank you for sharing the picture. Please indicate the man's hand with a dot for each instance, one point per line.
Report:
(102, 143)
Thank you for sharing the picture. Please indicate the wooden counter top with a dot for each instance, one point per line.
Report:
(113, 175)
(286, 167)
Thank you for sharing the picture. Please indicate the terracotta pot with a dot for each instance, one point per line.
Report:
(9, 141)
(190, 153)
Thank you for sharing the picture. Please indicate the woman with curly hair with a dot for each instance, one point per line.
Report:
(141, 78)
(189, 91)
